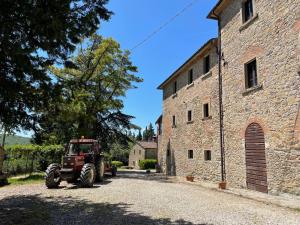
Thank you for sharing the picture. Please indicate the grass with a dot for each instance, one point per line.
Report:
(30, 179)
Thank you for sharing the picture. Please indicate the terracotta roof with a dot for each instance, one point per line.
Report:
(211, 41)
(221, 4)
(147, 145)
(159, 120)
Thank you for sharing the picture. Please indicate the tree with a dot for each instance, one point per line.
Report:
(35, 34)
(148, 133)
(151, 132)
(120, 153)
(91, 101)
(139, 136)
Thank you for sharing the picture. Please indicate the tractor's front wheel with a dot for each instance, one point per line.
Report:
(100, 169)
(88, 175)
(52, 177)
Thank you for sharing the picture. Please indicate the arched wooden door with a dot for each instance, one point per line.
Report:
(256, 166)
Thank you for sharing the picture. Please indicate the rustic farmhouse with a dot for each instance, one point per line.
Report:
(142, 150)
(232, 111)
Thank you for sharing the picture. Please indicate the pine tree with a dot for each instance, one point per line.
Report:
(151, 132)
(35, 35)
(145, 134)
(139, 136)
(91, 104)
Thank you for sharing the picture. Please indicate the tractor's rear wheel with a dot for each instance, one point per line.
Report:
(88, 175)
(100, 170)
(52, 177)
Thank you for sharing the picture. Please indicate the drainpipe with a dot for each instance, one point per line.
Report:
(221, 109)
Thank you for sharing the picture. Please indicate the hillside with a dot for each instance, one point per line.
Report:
(15, 140)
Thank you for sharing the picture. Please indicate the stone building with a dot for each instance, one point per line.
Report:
(140, 151)
(261, 86)
(190, 139)
(260, 78)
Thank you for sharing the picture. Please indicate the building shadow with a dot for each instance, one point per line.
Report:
(36, 209)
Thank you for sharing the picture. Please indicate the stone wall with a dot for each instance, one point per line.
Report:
(151, 153)
(136, 154)
(272, 37)
(139, 153)
(200, 134)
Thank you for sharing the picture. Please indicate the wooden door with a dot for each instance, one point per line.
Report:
(256, 166)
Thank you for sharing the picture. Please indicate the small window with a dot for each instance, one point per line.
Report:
(175, 87)
(190, 116)
(251, 74)
(174, 121)
(206, 110)
(134, 152)
(207, 155)
(191, 76)
(206, 64)
(140, 152)
(248, 11)
(190, 154)
(133, 163)
(168, 152)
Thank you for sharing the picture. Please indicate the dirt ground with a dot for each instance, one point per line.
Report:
(135, 198)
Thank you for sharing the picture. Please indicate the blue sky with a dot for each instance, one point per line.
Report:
(133, 20)
(159, 57)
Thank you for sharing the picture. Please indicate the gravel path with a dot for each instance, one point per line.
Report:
(135, 199)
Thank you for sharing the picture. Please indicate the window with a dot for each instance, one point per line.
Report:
(190, 117)
(140, 152)
(190, 154)
(207, 155)
(134, 152)
(168, 152)
(251, 74)
(206, 110)
(247, 10)
(191, 76)
(174, 121)
(206, 64)
(133, 163)
(175, 87)
(75, 149)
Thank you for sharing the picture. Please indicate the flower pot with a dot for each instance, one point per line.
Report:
(222, 185)
(190, 178)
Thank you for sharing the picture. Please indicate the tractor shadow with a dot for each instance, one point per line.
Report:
(36, 209)
(77, 185)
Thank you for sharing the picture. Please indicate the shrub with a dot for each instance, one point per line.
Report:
(31, 158)
(117, 164)
(147, 164)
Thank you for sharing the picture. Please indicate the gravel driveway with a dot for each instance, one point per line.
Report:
(134, 198)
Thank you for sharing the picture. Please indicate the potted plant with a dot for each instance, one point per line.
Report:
(190, 177)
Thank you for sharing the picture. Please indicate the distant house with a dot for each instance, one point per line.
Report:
(142, 150)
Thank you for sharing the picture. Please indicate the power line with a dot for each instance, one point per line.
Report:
(164, 25)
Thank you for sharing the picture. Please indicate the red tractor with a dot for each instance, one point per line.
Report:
(83, 161)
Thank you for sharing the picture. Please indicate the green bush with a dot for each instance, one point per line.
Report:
(31, 158)
(117, 164)
(147, 164)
